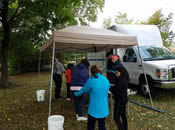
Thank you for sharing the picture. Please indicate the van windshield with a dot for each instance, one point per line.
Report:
(155, 53)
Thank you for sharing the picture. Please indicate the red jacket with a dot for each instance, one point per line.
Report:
(68, 75)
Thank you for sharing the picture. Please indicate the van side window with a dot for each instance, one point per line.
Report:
(129, 56)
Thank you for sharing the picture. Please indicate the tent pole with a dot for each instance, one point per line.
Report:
(148, 107)
(75, 58)
(39, 69)
(51, 77)
(145, 77)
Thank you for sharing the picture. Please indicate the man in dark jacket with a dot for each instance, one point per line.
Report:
(80, 75)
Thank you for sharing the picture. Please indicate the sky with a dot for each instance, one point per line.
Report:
(138, 9)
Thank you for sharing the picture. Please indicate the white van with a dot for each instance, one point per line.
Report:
(158, 61)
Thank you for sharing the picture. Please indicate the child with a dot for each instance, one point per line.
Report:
(119, 91)
(68, 79)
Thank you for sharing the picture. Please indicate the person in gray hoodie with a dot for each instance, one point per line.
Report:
(57, 76)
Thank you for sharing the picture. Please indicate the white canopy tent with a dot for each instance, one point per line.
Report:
(84, 39)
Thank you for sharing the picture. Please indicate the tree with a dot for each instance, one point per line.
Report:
(164, 24)
(35, 18)
(122, 18)
(107, 22)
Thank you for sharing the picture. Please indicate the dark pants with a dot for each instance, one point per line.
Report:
(120, 111)
(79, 102)
(92, 120)
(68, 90)
(58, 81)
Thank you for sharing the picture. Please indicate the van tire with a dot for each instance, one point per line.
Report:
(143, 90)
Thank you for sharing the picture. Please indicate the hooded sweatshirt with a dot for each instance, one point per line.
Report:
(80, 75)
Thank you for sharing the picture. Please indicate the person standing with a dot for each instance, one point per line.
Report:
(58, 70)
(97, 86)
(109, 66)
(109, 60)
(119, 91)
(116, 62)
(80, 75)
(68, 79)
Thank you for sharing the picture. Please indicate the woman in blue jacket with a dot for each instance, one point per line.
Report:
(98, 87)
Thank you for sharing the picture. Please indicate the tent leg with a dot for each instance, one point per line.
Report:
(51, 78)
(145, 76)
(148, 107)
(39, 70)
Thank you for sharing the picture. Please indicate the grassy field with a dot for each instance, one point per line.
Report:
(19, 109)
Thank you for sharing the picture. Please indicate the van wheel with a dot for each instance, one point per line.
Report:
(144, 88)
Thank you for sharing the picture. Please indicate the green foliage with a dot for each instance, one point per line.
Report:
(32, 21)
(122, 18)
(23, 55)
(72, 57)
(164, 24)
(107, 22)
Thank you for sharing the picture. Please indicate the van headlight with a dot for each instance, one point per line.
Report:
(162, 74)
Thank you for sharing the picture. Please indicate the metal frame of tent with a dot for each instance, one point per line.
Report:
(52, 41)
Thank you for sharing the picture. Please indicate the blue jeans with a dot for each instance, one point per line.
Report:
(79, 102)
(92, 120)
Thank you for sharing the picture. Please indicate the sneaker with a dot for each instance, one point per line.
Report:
(81, 118)
(68, 99)
(76, 115)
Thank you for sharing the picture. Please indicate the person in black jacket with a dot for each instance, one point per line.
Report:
(109, 66)
(119, 91)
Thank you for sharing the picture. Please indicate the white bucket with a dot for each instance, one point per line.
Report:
(55, 122)
(40, 95)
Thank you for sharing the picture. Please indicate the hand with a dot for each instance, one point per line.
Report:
(76, 93)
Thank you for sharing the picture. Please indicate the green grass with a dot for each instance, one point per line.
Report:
(19, 109)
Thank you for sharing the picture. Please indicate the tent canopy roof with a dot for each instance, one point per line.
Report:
(87, 39)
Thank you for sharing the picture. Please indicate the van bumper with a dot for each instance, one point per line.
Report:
(165, 84)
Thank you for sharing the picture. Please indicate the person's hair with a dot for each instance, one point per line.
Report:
(118, 58)
(95, 70)
(123, 72)
(56, 59)
(108, 53)
(72, 65)
(69, 66)
(85, 62)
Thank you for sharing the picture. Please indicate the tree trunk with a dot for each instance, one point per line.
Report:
(5, 44)
(4, 58)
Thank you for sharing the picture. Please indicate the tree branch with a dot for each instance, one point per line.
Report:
(16, 14)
